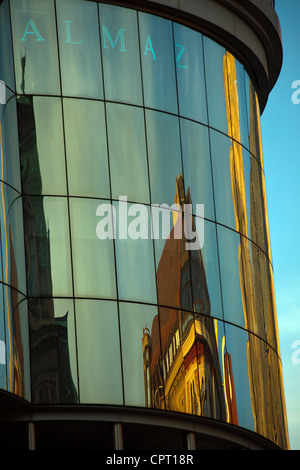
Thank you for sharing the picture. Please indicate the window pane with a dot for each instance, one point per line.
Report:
(158, 63)
(206, 277)
(215, 81)
(242, 104)
(221, 153)
(120, 51)
(10, 146)
(127, 152)
(134, 253)
(47, 244)
(6, 54)
(86, 148)
(236, 277)
(93, 259)
(41, 145)
(79, 48)
(140, 353)
(53, 351)
(164, 156)
(259, 228)
(13, 237)
(197, 166)
(190, 73)
(35, 46)
(99, 361)
(238, 359)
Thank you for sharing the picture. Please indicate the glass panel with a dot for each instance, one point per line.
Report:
(10, 161)
(265, 297)
(192, 364)
(242, 104)
(41, 145)
(47, 244)
(158, 63)
(190, 73)
(140, 353)
(259, 227)
(256, 385)
(215, 82)
(79, 48)
(222, 156)
(254, 123)
(127, 152)
(233, 273)
(35, 47)
(120, 51)
(6, 54)
(187, 272)
(197, 166)
(53, 351)
(16, 329)
(93, 258)
(206, 274)
(240, 379)
(134, 253)
(99, 361)
(3, 341)
(164, 156)
(15, 271)
(22, 382)
(86, 148)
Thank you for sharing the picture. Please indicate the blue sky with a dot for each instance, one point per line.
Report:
(281, 146)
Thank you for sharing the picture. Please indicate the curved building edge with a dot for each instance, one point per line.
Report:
(250, 30)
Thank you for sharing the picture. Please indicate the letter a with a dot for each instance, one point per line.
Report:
(35, 31)
(149, 47)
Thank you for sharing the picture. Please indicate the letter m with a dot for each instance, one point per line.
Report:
(113, 44)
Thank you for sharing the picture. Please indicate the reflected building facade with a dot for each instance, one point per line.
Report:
(137, 342)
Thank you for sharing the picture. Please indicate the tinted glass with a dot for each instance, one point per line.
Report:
(13, 240)
(197, 166)
(164, 156)
(100, 379)
(93, 259)
(239, 356)
(41, 145)
(134, 253)
(35, 46)
(47, 244)
(10, 169)
(127, 152)
(139, 350)
(231, 275)
(121, 56)
(79, 48)
(158, 63)
(214, 69)
(6, 53)
(221, 154)
(86, 148)
(190, 73)
(53, 351)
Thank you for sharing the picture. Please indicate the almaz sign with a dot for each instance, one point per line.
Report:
(32, 31)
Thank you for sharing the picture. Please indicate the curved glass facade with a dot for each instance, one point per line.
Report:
(116, 119)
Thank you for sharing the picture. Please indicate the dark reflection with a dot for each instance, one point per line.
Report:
(186, 375)
(51, 377)
(50, 369)
(37, 245)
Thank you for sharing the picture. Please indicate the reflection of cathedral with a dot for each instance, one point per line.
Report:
(50, 365)
(181, 355)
